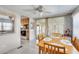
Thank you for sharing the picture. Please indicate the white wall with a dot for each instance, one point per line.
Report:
(75, 16)
(68, 23)
(11, 40)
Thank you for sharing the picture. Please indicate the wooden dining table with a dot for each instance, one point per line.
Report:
(68, 48)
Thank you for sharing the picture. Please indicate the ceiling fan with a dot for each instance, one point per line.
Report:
(38, 9)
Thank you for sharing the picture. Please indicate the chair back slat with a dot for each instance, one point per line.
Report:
(52, 49)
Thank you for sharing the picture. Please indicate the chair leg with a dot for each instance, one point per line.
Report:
(39, 50)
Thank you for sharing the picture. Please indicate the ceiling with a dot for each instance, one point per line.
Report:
(52, 10)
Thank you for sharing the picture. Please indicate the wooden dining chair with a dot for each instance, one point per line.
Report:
(41, 37)
(52, 49)
(74, 41)
(56, 34)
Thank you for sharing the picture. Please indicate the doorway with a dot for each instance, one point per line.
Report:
(24, 29)
(40, 27)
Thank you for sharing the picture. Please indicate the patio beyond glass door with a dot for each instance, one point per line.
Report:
(40, 27)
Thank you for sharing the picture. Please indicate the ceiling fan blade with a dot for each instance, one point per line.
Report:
(36, 6)
(29, 10)
(47, 12)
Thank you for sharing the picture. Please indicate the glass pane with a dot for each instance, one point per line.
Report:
(38, 30)
(0, 26)
(41, 27)
(7, 26)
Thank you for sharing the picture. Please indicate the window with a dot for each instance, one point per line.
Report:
(0, 26)
(6, 25)
(38, 29)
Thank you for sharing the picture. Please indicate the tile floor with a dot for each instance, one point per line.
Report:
(29, 47)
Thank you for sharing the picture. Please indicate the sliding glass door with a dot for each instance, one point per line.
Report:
(40, 26)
